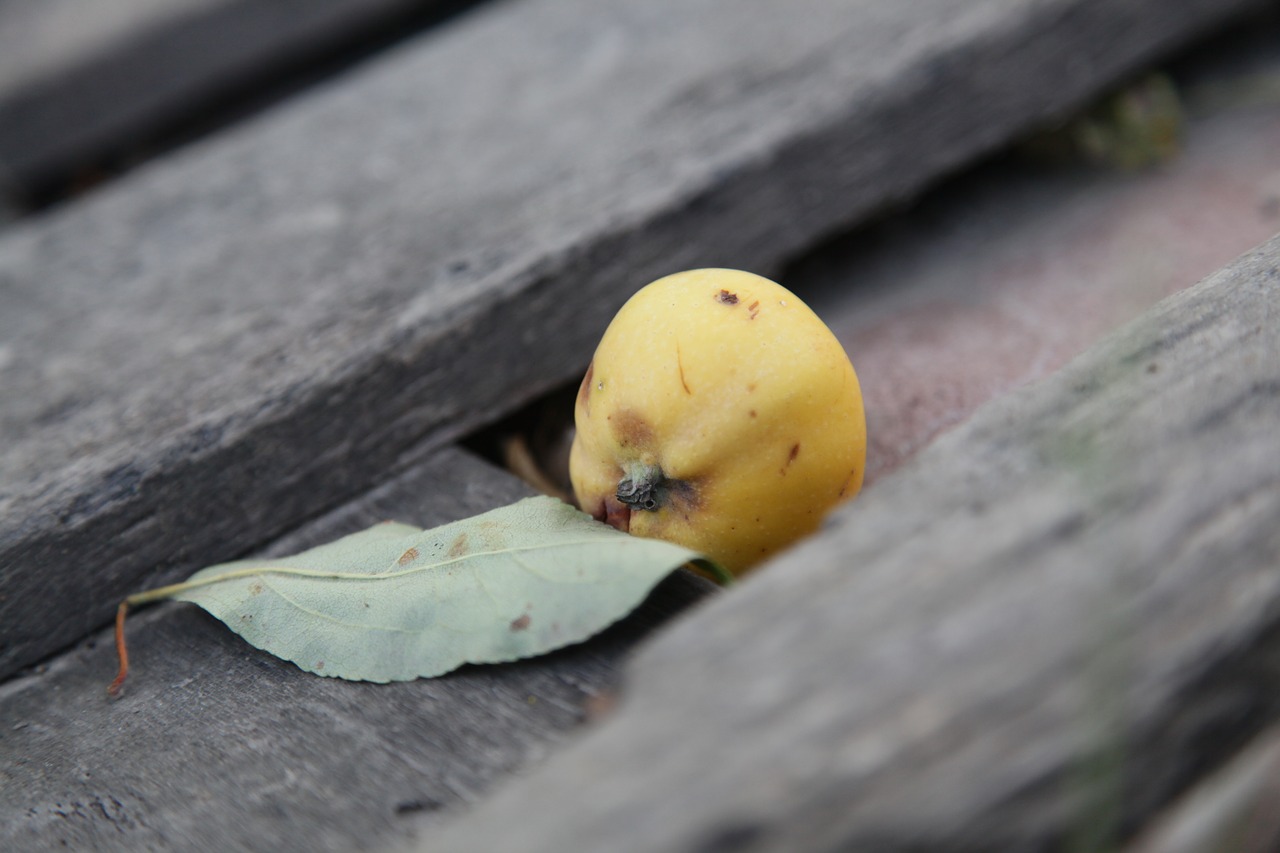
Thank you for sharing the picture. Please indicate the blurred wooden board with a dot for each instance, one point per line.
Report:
(82, 81)
(216, 745)
(258, 327)
(1032, 636)
(999, 276)
(1237, 808)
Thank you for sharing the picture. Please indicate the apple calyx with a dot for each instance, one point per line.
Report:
(643, 487)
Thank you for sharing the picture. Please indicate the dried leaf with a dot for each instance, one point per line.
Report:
(394, 603)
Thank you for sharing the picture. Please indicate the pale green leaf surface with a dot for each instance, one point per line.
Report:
(394, 603)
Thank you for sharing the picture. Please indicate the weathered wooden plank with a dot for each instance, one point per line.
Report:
(1237, 809)
(216, 745)
(257, 328)
(1029, 638)
(81, 80)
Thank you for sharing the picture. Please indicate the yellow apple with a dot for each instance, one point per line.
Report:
(719, 413)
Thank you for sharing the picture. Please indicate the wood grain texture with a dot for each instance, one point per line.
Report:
(1031, 637)
(82, 81)
(256, 328)
(217, 745)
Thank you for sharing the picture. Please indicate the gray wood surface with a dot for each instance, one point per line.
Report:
(84, 80)
(256, 328)
(1031, 637)
(218, 746)
(1235, 810)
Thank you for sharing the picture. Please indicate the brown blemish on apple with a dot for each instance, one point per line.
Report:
(848, 482)
(630, 429)
(682, 497)
(751, 387)
(584, 390)
(597, 512)
(680, 367)
(752, 413)
(791, 457)
(724, 297)
(459, 546)
(521, 623)
(754, 308)
(407, 557)
(617, 514)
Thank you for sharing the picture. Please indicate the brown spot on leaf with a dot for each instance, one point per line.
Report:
(255, 588)
(407, 557)
(630, 429)
(521, 623)
(320, 666)
(724, 297)
(459, 546)
(584, 390)
(680, 367)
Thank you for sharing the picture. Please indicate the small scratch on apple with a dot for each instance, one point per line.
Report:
(680, 367)
(791, 457)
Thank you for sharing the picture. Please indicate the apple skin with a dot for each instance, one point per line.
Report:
(719, 413)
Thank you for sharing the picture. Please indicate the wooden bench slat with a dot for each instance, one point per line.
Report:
(1235, 808)
(255, 329)
(1041, 629)
(83, 80)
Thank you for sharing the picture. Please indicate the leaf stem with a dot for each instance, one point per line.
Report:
(162, 592)
(113, 690)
